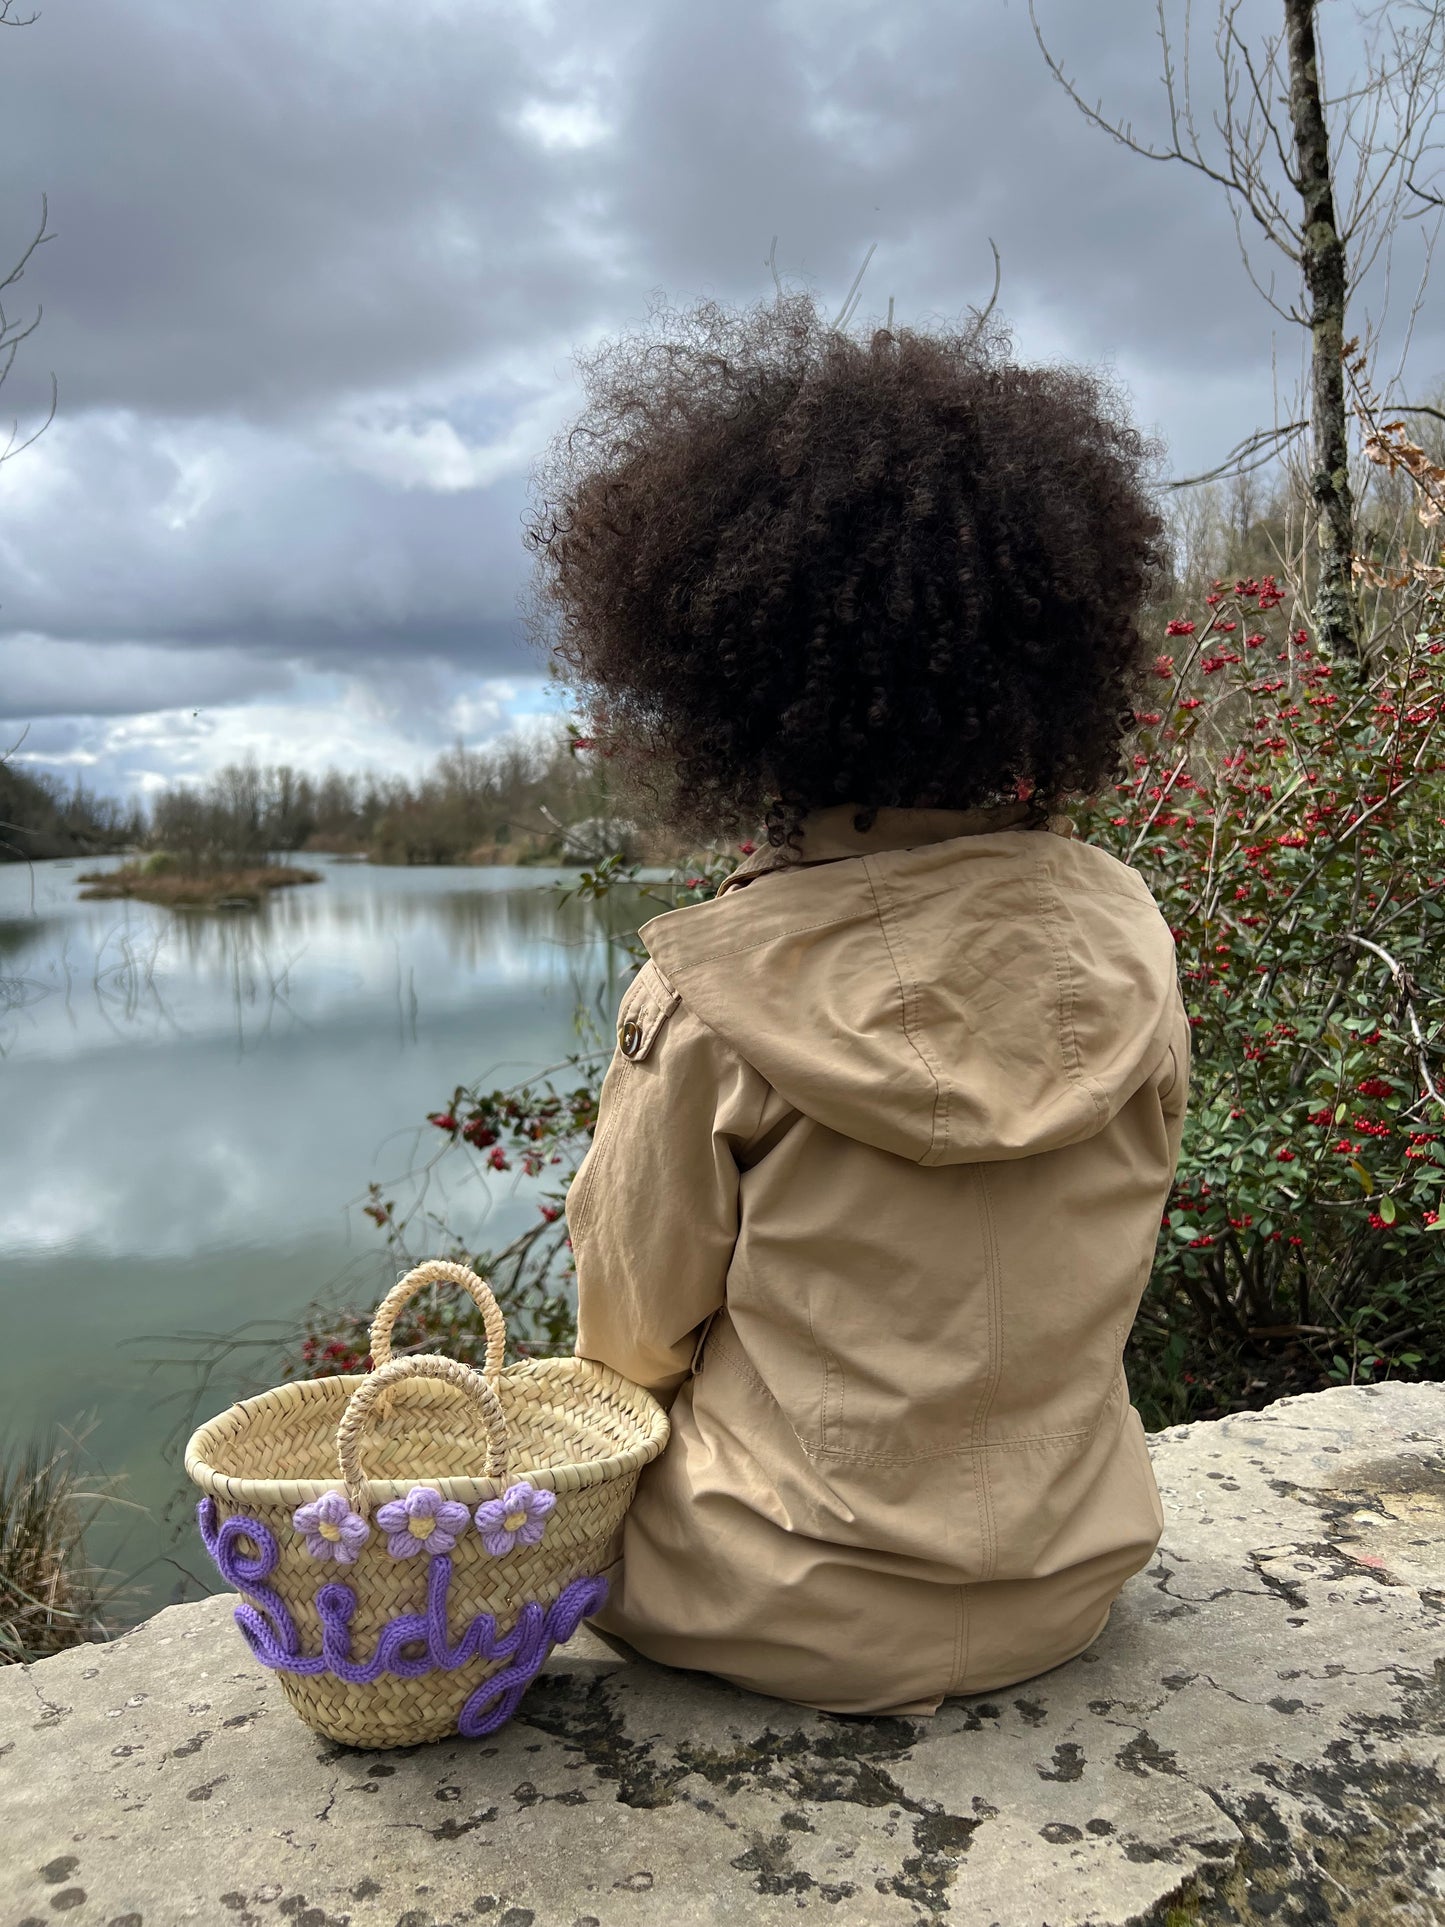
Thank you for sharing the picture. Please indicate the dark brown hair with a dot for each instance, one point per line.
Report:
(781, 567)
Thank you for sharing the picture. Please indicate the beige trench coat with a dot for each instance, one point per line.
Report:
(878, 1173)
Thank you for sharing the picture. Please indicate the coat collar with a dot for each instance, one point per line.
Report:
(827, 835)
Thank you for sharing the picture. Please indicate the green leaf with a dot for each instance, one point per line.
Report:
(1387, 1210)
(1342, 1111)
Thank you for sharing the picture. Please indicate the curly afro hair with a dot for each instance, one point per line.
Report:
(781, 567)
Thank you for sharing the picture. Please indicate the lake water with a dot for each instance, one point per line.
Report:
(192, 1105)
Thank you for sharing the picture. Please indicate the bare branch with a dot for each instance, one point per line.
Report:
(10, 342)
(1409, 335)
(1235, 462)
(997, 276)
(773, 266)
(1231, 182)
(18, 270)
(1290, 313)
(1232, 37)
(845, 313)
(12, 448)
(11, 333)
(1417, 113)
(1373, 92)
(1410, 995)
(1431, 200)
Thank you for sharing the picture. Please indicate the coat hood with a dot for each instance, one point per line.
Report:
(947, 986)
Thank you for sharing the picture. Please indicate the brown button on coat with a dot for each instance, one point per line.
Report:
(874, 1192)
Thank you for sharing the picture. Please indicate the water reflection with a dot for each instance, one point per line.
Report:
(364, 932)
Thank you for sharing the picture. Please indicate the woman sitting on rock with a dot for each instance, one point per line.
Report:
(891, 1121)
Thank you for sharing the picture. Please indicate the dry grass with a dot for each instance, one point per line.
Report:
(203, 890)
(51, 1598)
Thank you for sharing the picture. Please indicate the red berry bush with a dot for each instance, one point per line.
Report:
(1287, 814)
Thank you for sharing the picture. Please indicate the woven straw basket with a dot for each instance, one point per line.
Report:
(410, 1543)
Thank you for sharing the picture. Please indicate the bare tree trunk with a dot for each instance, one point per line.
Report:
(1323, 261)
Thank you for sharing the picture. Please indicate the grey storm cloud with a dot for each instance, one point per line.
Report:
(262, 208)
(129, 530)
(318, 272)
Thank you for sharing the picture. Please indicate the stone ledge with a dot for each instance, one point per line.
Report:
(1259, 1734)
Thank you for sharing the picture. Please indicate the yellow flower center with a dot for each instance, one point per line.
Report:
(513, 1520)
(329, 1531)
(421, 1525)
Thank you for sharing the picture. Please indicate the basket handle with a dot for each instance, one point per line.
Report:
(422, 1365)
(439, 1271)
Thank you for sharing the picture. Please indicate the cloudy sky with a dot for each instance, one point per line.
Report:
(319, 271)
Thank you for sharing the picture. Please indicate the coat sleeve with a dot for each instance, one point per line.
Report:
(653, 1209)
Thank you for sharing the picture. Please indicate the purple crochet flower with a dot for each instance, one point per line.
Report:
(520, 1513)
(422, 1522)
(332, 1530)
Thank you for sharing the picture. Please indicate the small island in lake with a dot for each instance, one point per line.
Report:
(197, 889)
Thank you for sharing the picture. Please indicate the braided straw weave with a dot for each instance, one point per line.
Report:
(565, 1425)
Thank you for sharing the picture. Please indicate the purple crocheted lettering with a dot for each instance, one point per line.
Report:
(574, 1604)
(271, 1633)
(272, 1628)
(335, 1603)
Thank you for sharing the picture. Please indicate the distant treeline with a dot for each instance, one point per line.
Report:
(516, 801)
(520, 800)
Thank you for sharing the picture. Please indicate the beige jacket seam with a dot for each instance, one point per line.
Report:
(970, 1450)
(677, 965)
(898, 957)
(961, 1631)
(826, 1363)
(988, 1523)
(1064, 980)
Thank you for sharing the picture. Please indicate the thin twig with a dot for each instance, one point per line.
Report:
(844, 314)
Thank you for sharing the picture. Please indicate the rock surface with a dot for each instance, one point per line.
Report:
(1258, 1735)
